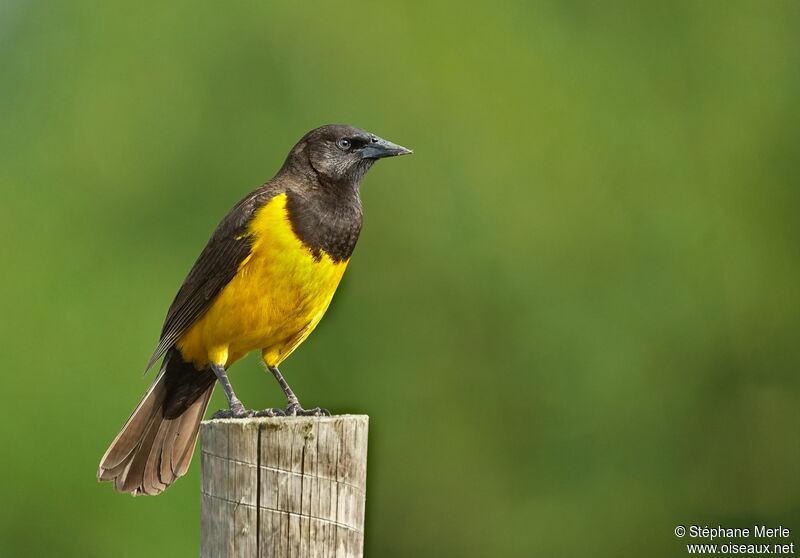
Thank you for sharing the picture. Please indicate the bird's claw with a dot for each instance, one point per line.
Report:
(271, 413)
(233, 414)
(295, 410)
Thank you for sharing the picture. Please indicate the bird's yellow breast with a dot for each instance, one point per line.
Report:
(274, 301)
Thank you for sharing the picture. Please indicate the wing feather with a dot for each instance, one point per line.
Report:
(217, 264)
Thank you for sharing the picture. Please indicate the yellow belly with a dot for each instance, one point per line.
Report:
(273, 303)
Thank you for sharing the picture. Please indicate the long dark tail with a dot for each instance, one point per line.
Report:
(156, 445)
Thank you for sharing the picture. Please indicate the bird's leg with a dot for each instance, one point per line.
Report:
(291, 398)
(293, 407)
(236, 409)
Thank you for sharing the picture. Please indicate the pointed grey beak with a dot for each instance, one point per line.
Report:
(380, 148)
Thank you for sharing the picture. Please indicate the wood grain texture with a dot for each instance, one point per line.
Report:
(283, 487)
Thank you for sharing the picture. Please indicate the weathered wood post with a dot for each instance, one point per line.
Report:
(283, 487)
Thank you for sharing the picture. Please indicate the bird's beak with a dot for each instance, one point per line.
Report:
(380, 148)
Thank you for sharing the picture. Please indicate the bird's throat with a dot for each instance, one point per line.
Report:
(327, 223)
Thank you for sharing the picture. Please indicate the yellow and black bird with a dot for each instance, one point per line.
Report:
(263, 281)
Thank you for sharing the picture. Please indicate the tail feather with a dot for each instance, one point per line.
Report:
(135, 480)
(156, 445)
(129, 437)
(186, 434)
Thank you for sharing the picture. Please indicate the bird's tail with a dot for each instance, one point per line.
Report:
(156, 445)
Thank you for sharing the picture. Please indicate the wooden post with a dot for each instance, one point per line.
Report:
(283, 487)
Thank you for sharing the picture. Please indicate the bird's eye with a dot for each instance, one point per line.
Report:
(343, 143)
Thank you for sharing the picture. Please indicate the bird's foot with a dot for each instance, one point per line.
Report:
(231, 414)
(236, 411)
(295, 410)
(271, 412)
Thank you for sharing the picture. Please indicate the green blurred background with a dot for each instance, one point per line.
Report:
(572, 316)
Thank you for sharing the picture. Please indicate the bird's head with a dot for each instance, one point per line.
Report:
(340, 153)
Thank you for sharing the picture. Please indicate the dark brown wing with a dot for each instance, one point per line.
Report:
(217, 265)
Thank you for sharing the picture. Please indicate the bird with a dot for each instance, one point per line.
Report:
(263, 282)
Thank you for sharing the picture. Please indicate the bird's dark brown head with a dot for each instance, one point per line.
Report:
(339, 153)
